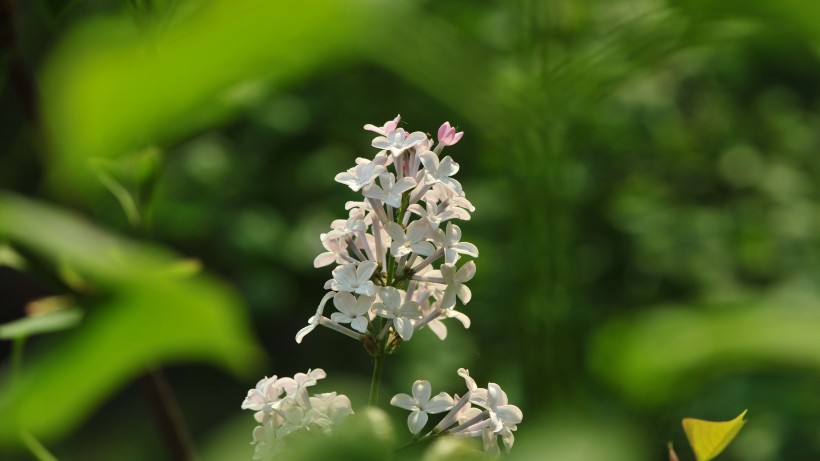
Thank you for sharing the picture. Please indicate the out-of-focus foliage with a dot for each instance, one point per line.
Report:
(146, 313)
(643, 172)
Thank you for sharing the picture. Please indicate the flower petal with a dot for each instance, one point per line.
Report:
(440, 403)
(416, 421)
(404, 401)
(422, 391)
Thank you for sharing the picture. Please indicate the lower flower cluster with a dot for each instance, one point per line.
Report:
(494, 416)
(285, 410)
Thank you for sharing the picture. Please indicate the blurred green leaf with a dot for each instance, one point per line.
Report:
(667, 351)
(151, 314)
(109, 88)
(43, 323)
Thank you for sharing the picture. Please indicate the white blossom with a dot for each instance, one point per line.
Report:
(314, 320)
(389, 191)
(440, 171)
(354, 279)
(414, 240)
(336, 252)
(292, 412)
(361, 175)
(386, 128)
(450, 241)
(455, 280)
(420, 404)
(402, 314)
(352, 310)
(398, 140)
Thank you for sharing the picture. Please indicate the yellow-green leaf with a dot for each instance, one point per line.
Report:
(710, 438)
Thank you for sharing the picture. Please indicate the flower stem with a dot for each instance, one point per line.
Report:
(17, 357)
(375, 383)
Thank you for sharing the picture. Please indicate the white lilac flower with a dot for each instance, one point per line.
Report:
(361, 175)
(450, 241)
(315, 319)
(336, 252)
(455, 280)
(420, 404)
(301, 381)
(389, 191)
(354, 279)
(266, 444)
(352, 310)
(432, 213)
(414, 240)
(345, 228)
(440, 171)
(397, 141)
(386, 128)
(449, 198)
(402, 314)
(294, 412)
(335, 408)
(268, 393)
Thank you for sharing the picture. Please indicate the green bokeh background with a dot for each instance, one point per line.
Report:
(643, 173)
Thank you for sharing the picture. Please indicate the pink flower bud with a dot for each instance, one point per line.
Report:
(447, 135)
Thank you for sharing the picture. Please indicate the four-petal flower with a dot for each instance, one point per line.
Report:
(420, 404)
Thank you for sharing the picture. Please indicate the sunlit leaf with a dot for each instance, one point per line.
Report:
(709, 438)
(154, 311)
(39, 324)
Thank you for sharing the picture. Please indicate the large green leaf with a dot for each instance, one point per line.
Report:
(665, 351)
(150, 314)
(111, 87)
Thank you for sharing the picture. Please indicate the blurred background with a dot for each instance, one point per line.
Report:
(642, 170)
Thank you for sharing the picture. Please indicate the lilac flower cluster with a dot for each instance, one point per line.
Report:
(396, 272)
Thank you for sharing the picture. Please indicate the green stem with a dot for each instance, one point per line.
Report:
(37, 449)
(17, 357)
(375, 383)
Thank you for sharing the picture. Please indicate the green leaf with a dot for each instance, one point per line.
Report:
(665, 351)
(708, 438)
(39, 324)
(111, 88)
(152, 311)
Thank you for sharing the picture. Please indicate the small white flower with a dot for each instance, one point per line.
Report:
(415, 240)
(402, 315)
(449, 240)
(351, 310)
(361, 175)
(314, 320)
(386, 128)
(389, 191)
(345, 228)
(266, 445)
(336, 252)
(398, 140)
(335, 408)
(420, 404)
(455, 280)
(436, 215)
(440, 171)
(354, 279)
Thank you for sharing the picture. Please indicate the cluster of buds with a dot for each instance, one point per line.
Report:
(284, 409)
(396, 273)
